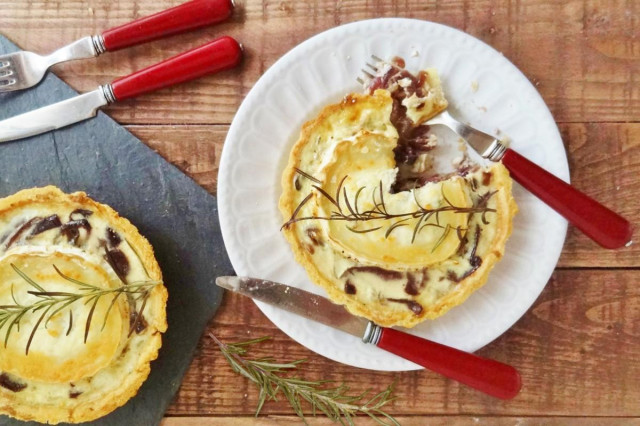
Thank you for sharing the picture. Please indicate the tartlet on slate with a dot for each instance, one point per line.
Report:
(83, 360)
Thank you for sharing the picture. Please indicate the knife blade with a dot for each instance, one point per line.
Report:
(218, 55)
(489, 376)
(52, 117)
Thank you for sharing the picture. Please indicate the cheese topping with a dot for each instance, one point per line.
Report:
(54, 367)
(392, 248)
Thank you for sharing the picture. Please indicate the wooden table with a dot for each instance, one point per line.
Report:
(578, 347)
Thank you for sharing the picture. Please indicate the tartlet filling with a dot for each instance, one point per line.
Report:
(371, 219)
(415, 142)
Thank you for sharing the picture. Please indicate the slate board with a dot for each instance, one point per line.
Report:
(179, 218)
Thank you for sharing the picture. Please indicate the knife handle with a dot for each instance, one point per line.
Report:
(486, 375)
(185, 17)
(218, 55)
(602, 225)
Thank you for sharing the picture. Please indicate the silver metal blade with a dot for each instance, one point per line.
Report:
(299, 302)
(53, 116)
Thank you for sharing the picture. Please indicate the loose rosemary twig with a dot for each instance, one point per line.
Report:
(322, 395)
(50, 303)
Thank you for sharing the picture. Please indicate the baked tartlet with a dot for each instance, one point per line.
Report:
(373, 223)
(90, 356)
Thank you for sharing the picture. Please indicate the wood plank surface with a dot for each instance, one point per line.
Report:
(583, 55)
(406, 421)
(576, 348)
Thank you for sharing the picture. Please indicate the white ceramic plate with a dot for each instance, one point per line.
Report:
(482, 87)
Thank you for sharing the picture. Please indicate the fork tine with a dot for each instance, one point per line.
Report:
(367, 73)
(377, 59)
(373, 67)
(7, 73)
(4, 64)
(6, 84)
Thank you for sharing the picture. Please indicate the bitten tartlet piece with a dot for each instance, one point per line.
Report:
(82, 307)
(393, 242)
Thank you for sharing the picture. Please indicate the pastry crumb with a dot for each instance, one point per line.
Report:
(474, 86)
(405, 82)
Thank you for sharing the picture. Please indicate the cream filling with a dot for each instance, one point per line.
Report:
(90, 244)
(91, 248)
(439, 280)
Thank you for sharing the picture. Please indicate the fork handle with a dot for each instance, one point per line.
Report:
(599, 223)
(185, 17)
(218, 55)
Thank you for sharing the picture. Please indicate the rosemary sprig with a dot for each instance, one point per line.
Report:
(322, 395)
(50, 303)
(351, 211)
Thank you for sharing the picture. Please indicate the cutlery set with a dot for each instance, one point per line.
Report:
(25, 69)
(596, 221)
(22, 70)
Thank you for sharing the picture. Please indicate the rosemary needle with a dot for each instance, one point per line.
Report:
(379, 212)
(322, 395)
(49, 303)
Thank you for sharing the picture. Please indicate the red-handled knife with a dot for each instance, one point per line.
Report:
(486, 375)
(218, 55)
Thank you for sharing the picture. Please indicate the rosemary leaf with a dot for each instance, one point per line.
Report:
(444, 235)
(308, 176)
(362, 231)
(323, 396)
(70, 322)
(50, 303)
(296, 211)
(338, 193)
(355, 202)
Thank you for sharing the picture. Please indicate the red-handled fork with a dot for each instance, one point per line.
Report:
(598, 222)
(22, 70)
(218, 55)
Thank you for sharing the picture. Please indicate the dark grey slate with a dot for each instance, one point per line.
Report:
(179, 218)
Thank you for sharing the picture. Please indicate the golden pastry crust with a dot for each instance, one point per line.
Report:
(118, 381)
(328, 263)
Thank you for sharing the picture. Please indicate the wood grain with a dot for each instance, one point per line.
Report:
(604, 160)
(582, 55)
(404, 420)
(576, 349)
